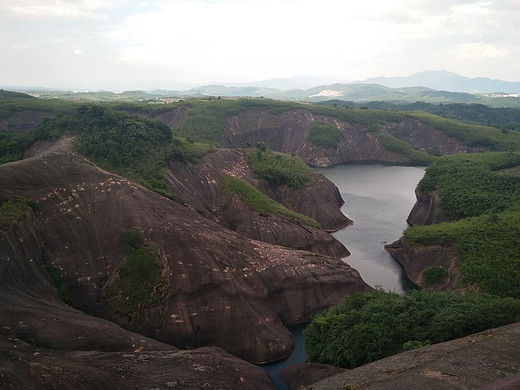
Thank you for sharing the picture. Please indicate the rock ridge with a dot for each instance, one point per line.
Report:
(225, 290)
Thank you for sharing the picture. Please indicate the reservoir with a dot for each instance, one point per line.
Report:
(378, 198)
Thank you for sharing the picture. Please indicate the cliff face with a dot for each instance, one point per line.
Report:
(200, 188)
(425, 210)
(417, 259)
(426, 138)
(223, 289)
(288, 132)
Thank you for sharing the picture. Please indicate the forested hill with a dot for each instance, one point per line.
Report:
(319, 135)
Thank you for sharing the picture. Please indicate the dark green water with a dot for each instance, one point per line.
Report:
(378, 198)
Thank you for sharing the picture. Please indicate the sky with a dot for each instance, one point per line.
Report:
(109, 43)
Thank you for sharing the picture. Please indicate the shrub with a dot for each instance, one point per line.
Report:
(279, 168)
(324, 134)
(138, 282)
(14, 209)
(433, 276)
(403, 148)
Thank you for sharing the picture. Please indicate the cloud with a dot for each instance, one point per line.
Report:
(244, 40)
(54, 9)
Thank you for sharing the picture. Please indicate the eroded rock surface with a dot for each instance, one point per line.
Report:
(426, 211)
(46, 344)
(288, 132)
(200, 188)
(223, 289)
(417, 259)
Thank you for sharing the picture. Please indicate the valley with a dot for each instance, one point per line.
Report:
(232, 231)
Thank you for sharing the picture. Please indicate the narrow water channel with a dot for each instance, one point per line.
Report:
(378, 198)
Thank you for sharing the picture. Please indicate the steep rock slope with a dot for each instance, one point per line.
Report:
(426, 138)
(200, 187)
(46, 344)
(288, 133)
(222, 288)
(415, 260)
(425, 210)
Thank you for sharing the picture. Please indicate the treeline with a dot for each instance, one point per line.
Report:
(504, 118)
(134, 147)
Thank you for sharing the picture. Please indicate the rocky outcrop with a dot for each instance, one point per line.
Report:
(47, 344)
(277, 230)
(25, 366)
(426, 211)
(223, 290)
(287, 132)
(417, 259)
(486, 360)
(200, 188)
(426, 138)
(296, 376)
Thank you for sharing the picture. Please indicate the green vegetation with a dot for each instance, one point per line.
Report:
(324, 134)
(14, 209)
(434, 276)
(139, 282)
(504, 118)
(12, 145)
(398, 146)
(472, 184)
(259, 202)
(370, 326)
(56, 279)
(482, 191)
(487, 247)
(472, 135)
(279, 168)
(133, 147)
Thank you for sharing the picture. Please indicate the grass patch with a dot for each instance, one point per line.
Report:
(257, 201)
(434, 276)
(403, 148)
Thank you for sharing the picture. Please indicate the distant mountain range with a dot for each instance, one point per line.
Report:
(448, 81)
(427, 86)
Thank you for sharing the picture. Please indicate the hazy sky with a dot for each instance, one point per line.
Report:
(78, 43)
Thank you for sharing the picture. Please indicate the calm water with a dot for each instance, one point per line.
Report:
(378, 198)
